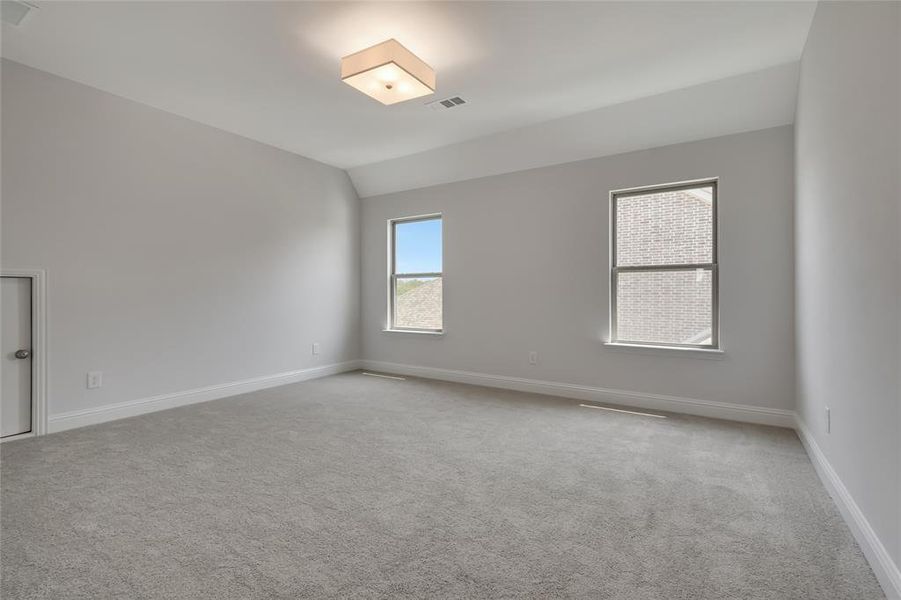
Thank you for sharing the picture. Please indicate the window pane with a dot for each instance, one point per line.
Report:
(418, 246)
(417, 302)
(664, 307)
(667, 227)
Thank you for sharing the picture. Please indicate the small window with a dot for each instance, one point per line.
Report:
(664, 275)
(416, 282)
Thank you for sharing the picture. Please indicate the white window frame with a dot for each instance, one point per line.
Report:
(712, 267)
(393, 275)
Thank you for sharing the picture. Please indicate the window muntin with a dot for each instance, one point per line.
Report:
(416, 276)
(664, 272)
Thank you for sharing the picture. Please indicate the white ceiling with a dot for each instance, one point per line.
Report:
(748, 102)
(269, 70)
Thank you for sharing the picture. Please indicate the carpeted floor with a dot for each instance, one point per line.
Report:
(359, 487)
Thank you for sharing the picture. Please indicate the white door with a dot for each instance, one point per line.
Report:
(15, 343)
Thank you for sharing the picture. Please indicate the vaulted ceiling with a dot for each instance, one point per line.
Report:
(269, 70)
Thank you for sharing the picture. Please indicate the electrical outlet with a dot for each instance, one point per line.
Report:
(533, 358)
(828, 420)
(95, 379)
(315, 348)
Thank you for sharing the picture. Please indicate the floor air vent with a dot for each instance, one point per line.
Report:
(383, 376)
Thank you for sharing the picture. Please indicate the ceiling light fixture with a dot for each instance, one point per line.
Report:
(388, 72)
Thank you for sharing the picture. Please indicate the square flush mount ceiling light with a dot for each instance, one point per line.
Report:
(388, 72)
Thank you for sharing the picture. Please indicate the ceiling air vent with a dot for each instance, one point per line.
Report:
(451, 102)
(14, 12)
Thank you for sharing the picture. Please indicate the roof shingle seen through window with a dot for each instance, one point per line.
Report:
(419, 307)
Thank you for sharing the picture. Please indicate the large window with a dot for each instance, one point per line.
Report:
(664, 277)
(415, 286)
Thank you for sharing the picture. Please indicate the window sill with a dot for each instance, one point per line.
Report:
(707, 353)
(415, 331)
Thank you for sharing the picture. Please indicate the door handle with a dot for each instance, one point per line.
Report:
(23, 353)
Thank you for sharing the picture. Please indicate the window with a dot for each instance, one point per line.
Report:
(415, 286)
(664, 276)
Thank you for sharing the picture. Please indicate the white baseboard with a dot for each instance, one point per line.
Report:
(883, 566)
(691, 406)
(132, 408)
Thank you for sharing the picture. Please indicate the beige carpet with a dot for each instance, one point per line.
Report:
(357, 487)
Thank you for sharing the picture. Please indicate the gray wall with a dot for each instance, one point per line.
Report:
(526, 263)
(848, 245)
(178, 256)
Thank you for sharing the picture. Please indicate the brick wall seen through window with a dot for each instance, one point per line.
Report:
(664, 270)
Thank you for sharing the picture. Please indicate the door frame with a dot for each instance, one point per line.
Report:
(38, 350)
